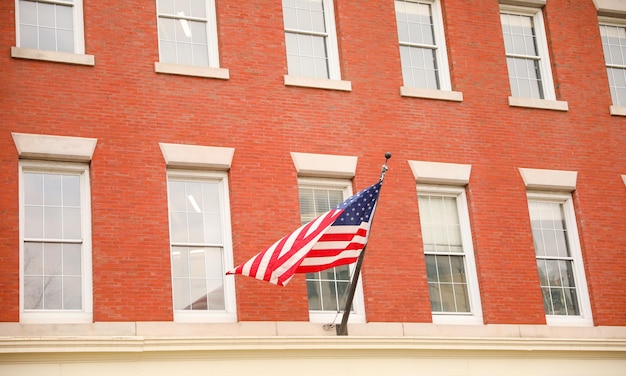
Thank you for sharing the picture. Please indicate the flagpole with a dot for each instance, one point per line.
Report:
(342, 329)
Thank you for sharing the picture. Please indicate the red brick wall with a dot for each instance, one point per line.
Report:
(130, 109)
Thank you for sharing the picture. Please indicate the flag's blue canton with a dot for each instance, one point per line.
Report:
(359, 207)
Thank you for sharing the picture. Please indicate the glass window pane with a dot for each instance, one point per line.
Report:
(53, 259)
(216, 299)
(197, 263)
(28, 37)
(33, 292)
(182, 7)
(198, 8)
(180, 261)
(435, 297)
(166, 6)
(72, 294)
(28, 12)
(53, 293)
(33, 189)
(198, 294)
(178, 227)
(181, 294)
(33, 222)
(72, 260)
(214, 263)
(71, 190)
(45, 14)
(315, 298)
(71, 223)
(33, 259)
(52, 189)
(64, 17)
(52, 223)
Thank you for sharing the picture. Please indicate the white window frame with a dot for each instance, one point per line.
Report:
(334, 81)
(615, 109)
(475, 315)
(549, 101)
(565, 198)
(76, 57)
(84, 315)
(358, 305)
(445, 91)
(213, 69)
(230, 312)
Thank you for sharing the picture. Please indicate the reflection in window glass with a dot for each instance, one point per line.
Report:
(554, 261)
(52, 255)
(614, 45)
(445, 258)
(327, 289)
(196, 245)
(46, 26)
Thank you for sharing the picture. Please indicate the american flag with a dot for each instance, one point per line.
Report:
(335, 238)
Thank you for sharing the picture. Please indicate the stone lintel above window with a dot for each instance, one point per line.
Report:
(552, 180)
(54, 148)
(196, 156)
(441, 173)
(324, 165)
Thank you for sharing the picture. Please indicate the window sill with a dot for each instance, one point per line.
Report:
(543, 104)
(618, 111)
(457, 319)
(55, 317)
(446, 95)
(191, 70)
(319, 317)
(204, 317)
(568, 321)
(318, 83)
(53, 56)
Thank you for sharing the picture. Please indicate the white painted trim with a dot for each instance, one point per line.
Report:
(136, 337)
(56, 148)
(475, 316)
(46, 316)
(525, 3)
(192, 70)
(324, 165)
(332, 317)
(440, 173)
(624, 179)
(544, 104)
(552, 180)
(196, 156)
(543, 52)
(446, 95)
(229, 314)
(617, 111)
(585, 318)
(54, 56)
(318, 83)
(610, 7)
(78, 34)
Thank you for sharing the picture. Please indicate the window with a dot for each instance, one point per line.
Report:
(188, 39)
(55, 228)
(311, 43)
(530, 72)
(56, 242)
(201, 249)
(328, 289)
(200, 234)
(54, 25)
(422, 44)
(613, 33)
(559, 259)
(450, 267)
(187, 32)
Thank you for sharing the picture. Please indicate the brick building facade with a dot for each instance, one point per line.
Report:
(509, 114)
